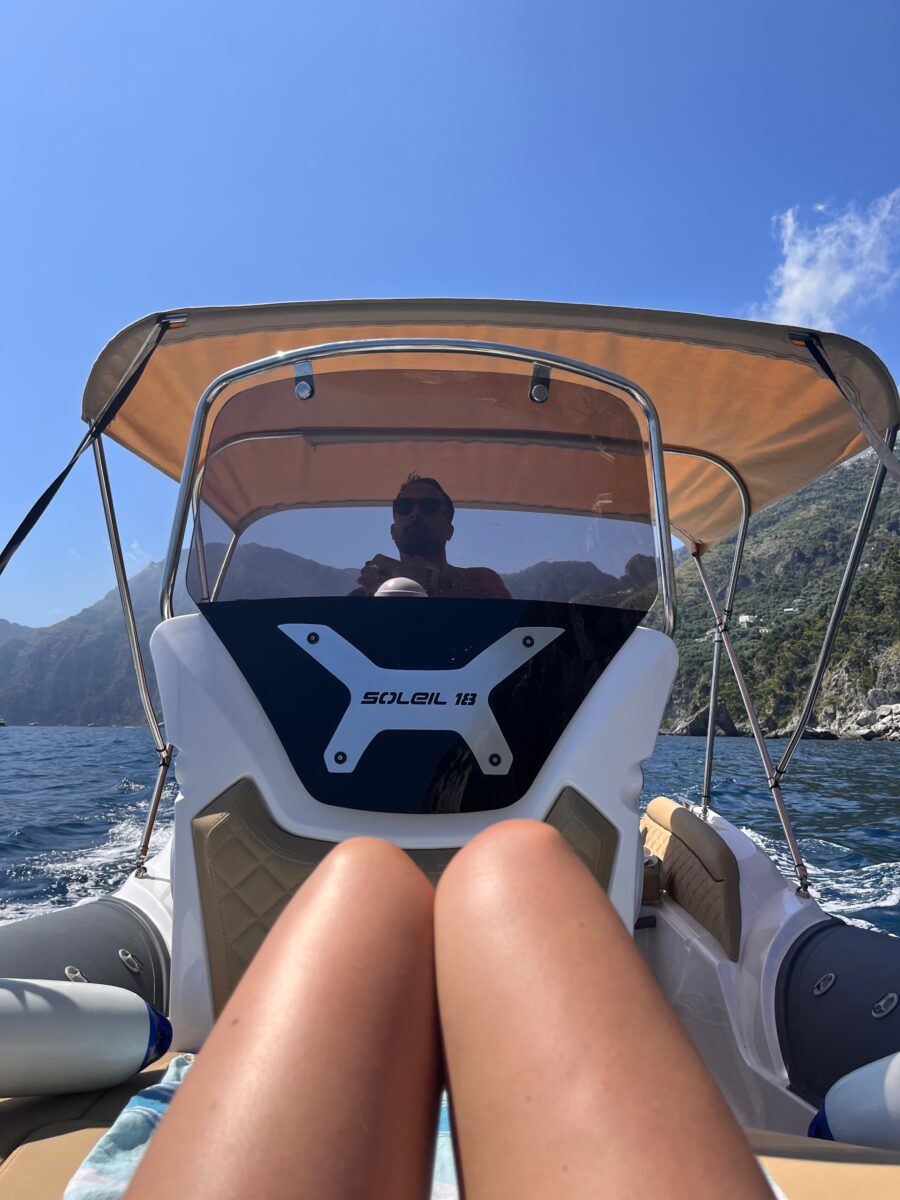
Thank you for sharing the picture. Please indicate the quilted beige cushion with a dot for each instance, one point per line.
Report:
(699, 869)
(590, 834)
(247, 869)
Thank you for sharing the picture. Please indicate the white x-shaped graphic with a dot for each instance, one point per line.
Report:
(388, 699)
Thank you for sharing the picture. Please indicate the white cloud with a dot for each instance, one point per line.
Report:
(834, 266)
(135, 556)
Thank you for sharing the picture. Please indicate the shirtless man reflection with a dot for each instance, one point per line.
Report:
(422, 527)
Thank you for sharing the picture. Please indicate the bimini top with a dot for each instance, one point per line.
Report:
(753, 395)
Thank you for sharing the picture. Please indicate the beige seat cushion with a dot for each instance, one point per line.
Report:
(699, 869)
(810, 1169)
(40, 1169)
(248, 868)
(44, 1139)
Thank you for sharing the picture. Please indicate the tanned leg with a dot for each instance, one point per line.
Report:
(569, 1074)
(322, 1075)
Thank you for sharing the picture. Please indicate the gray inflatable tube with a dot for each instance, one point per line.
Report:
(104, 941)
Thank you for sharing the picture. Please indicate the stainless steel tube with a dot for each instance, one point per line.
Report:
(165, 761)
(758, 736)
(125, 594)
(711, 724)
(741, 539)
(223, 570)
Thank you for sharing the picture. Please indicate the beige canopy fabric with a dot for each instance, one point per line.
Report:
(740, 390)
(474, 430)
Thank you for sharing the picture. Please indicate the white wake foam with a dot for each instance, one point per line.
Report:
(843, 891)
(86, 873)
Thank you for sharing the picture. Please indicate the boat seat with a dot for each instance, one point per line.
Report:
(248, 868)
(44, 1139)
(699, 869)
(810, 1169)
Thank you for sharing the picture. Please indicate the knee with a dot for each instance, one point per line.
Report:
(381, 875)
(514, 840)
(509, 855)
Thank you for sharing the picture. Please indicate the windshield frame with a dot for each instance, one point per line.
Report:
(191, 472)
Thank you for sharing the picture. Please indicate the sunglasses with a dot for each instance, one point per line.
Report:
(429, 506)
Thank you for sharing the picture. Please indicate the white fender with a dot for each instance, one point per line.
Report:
(864, 1106)
(74, 1037)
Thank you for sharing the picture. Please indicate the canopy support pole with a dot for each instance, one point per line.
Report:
(717, 652)
(164, 763)
(758, 736)
(163, 749)
(711, 724)
(840, 605)
(223, 570)
(726, 612)
(125, 596)
(198, 536)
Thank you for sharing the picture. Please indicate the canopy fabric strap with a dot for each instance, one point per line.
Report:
(120, 395)
(891, 465)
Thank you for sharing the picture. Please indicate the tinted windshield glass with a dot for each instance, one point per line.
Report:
(455, 479)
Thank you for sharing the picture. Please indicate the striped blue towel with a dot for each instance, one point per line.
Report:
(107, 1171)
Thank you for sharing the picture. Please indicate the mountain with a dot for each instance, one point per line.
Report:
(263, 573)
(79, 671)
(10, 631)
(582, 582)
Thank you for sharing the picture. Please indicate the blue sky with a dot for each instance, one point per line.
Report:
(710, 157)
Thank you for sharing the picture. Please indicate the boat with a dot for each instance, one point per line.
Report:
(309, 694)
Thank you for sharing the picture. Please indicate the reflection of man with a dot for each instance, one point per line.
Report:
(422, 527)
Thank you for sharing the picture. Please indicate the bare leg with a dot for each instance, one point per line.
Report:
(321, 1077)
(569, 1074)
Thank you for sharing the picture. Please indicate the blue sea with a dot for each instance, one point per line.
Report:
(73, 803)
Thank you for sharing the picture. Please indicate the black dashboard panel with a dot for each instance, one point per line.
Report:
(418, 771)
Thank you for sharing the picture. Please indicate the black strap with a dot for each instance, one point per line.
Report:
(883, 447)
(814, 346)
(118, 398)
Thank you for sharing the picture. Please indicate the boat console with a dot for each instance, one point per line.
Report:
(419, 583)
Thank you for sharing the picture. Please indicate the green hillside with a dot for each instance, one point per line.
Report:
(794, 560)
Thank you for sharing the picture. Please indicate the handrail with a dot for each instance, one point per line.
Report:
(744, 495)
(125, 595)
(758, 736)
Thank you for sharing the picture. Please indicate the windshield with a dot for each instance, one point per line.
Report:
(402, 467)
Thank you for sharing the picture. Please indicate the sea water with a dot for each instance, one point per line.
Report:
(73, 804)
